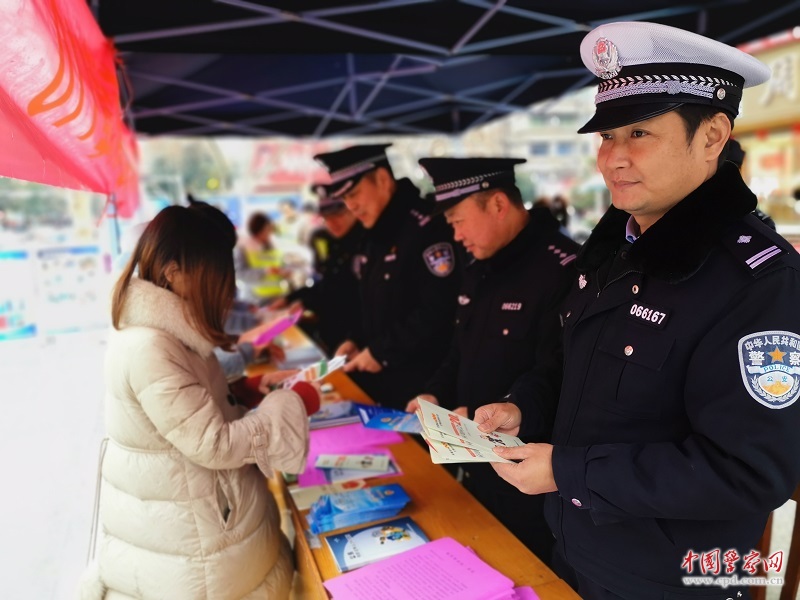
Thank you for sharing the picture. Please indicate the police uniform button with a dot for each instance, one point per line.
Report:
(628, 350)
(458, 321)
(577, 502)
(505, 331)
(386, 276)
(385, 363)
(569, 312)
(635, 289)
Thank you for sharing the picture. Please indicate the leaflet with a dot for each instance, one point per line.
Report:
(454, 439)
(442, 452)
(378, 417)
(316, 371)
(374, 542)
(359, 462)
(280, 324)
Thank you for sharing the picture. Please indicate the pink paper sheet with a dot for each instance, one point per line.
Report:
(441, 569)
(345, 439)
(277, 328)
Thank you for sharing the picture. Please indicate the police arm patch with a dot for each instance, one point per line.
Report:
(440, 259)
(770, 365)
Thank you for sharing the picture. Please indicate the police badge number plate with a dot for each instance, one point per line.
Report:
(440, 259)
(770, 366)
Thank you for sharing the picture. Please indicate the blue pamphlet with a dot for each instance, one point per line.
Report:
(370, 544)
(343, 509)
(377, 417)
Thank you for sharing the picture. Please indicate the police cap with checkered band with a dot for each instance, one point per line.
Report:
(648, 69)
(455, 179)
(348, 166)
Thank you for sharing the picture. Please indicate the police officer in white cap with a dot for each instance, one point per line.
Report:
(408, 276)
(677, 426)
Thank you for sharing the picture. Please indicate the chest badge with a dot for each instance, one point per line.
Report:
(440, 259)
(582, 281)
(770, 365)
(463, 300)
(744, 239)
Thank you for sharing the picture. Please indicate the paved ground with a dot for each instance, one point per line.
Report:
(49, 440)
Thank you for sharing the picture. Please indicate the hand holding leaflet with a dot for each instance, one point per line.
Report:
(453, 438)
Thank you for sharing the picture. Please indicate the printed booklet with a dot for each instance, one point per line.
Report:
(344, 509)
(373, 543)
(377, 417)
(358, 462)
(331, 414)
(453, 439)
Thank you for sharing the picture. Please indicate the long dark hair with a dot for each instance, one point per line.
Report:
(203, 255)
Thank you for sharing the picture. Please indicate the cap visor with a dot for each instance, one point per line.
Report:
(610, 117)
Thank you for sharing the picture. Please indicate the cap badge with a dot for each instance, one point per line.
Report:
(606, 59)
(720, 93)
(673, 87)
(485, 184)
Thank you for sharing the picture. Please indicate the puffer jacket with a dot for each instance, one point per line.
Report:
(185, 512)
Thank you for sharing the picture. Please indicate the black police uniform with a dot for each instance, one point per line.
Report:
(409, 279)
(334, 297)
(507, 323)
(677, 429)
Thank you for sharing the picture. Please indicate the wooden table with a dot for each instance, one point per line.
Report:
(440, 506)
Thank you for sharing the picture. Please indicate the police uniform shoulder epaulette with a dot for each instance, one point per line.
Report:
(422, 219)
(753, 249)
(563, 257)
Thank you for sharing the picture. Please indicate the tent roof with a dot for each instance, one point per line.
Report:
(315, 68)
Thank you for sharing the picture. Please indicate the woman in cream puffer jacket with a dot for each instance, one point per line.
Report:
(185, 511)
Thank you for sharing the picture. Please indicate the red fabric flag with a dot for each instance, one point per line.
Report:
(60, 117)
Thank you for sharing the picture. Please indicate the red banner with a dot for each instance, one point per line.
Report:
(60, 116)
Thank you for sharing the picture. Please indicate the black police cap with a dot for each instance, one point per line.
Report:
(346, 167)
(455, 179)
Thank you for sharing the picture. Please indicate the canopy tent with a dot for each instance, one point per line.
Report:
(314, 68)
(60, 115)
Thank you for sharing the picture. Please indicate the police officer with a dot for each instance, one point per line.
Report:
(507, 320)
(408, 277)
(334, 297)
(676, 429)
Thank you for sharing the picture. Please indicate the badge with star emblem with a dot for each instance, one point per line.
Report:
(770, 366)
(440, 259)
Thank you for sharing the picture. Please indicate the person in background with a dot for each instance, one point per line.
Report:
(334, 296)
(407, 272)
(184, 508)
(676, 432)
(288, 226)
(507, 320)
(258, 263)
